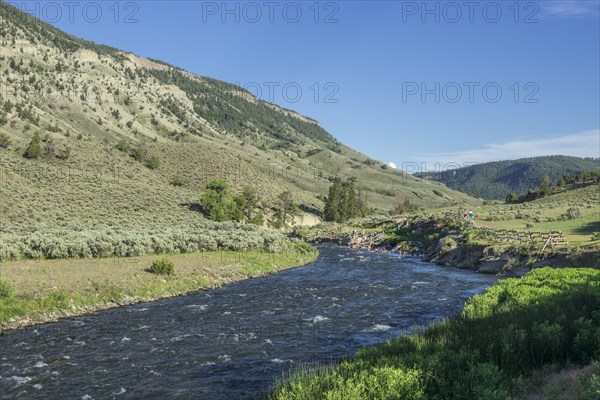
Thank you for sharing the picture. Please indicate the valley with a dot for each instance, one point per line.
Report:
(169, 235)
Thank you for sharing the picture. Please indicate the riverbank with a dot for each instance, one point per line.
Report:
(504, 344)
(449, 241)
(40, 291)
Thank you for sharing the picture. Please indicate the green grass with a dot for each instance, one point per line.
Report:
(542, 215)
(490, 351)
(547, 215)
(37, 288)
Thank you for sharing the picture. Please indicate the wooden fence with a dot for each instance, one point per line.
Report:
(553, 238)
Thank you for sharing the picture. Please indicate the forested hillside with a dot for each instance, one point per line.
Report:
(495, 180)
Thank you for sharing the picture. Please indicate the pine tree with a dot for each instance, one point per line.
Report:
(34, 150)
(332, 203)
(286, 207)
(251, 201)
(512, 198)
(544, 186)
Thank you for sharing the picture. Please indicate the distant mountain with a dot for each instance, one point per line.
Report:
(126, 140)
(495, 180)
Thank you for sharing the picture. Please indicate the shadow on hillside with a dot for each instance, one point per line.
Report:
(310, 209)
(588, 228)
(197, 207)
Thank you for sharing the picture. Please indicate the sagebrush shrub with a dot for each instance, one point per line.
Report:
(162, 267)
(153, 162)
(4, 141)
(135, 240)
(7, 290)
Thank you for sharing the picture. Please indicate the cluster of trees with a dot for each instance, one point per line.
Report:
(582, 177)
(546, 188)
(495, 180)
(343, 202)
(220, 204)
(35, 150)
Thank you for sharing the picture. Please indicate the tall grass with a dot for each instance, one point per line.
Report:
(548, 317)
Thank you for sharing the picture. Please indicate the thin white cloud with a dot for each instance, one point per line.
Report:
(392, 165)
(570, 8)
(584, 144)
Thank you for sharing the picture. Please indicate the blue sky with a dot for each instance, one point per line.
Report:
(401, 81)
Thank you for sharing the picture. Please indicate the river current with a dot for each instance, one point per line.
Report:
(235, 341)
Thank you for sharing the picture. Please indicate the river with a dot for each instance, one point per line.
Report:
(235, 341)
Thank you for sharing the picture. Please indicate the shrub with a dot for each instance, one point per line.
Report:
(123, 146)
(572, 213)
(4, 141)
(162, 267)
(138, 154)
(53, 128)
(258, 219)
(177, 181)
(58, 243)
(7, 290)
(63, 154)
(153, 162)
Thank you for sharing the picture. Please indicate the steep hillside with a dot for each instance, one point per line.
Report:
(495, 180)
(130, 142)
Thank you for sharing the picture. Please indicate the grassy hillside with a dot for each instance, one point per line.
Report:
(575, 212)
(495, 180)
(86, 100)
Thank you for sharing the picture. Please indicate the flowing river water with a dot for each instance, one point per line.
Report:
(235, 341)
